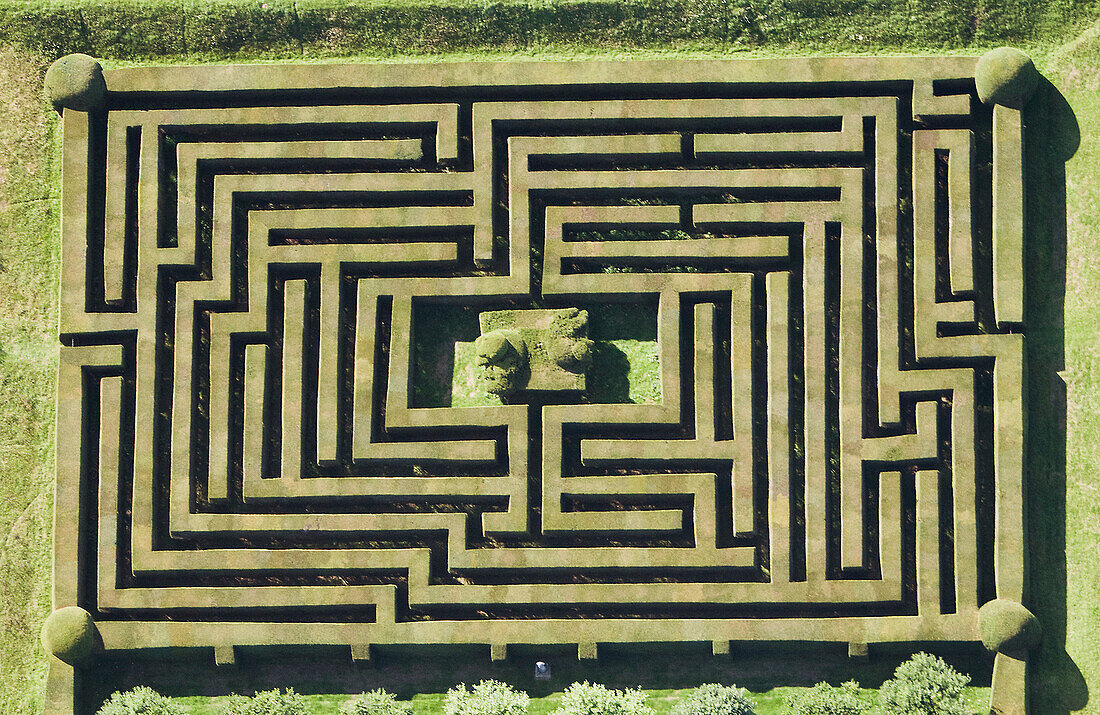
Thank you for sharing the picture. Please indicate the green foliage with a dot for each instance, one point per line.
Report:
(824, 699)
(592, 699)
(1007, 626)
(268, 702)
(489, 697)
(501, 358)
(566, 340)
(140, 701)
(924, 684)
(69, 634)
(376, 702)
(1005, 76)
(714, 699)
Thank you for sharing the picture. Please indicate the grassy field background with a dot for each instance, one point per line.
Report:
(1063, 242)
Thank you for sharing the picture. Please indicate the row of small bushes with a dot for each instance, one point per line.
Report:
(924, 684)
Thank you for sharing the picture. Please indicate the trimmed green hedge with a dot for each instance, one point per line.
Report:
(145, 29)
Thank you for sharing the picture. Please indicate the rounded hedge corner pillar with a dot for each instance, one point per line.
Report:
(1009, 630)
(76, 82)
(69, 634)
(1008, 627)
(1005, 76)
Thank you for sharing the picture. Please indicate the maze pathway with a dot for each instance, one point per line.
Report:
(831, 250)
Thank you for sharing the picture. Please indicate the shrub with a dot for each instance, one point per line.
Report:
(489, 697)
(268, 702)
(924, 684)
(376, 702)
(140, 701)
(589, 699)
(824, 699)
(714, 699)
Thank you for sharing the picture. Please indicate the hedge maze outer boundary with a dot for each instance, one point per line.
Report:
(837, 456)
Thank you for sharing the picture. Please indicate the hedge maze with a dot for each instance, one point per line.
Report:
(831, 251)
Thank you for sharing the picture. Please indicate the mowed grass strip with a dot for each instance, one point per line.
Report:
(28, 365)
(220, 29)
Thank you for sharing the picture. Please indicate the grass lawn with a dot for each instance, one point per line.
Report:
(1064, 342)
(29, 173)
